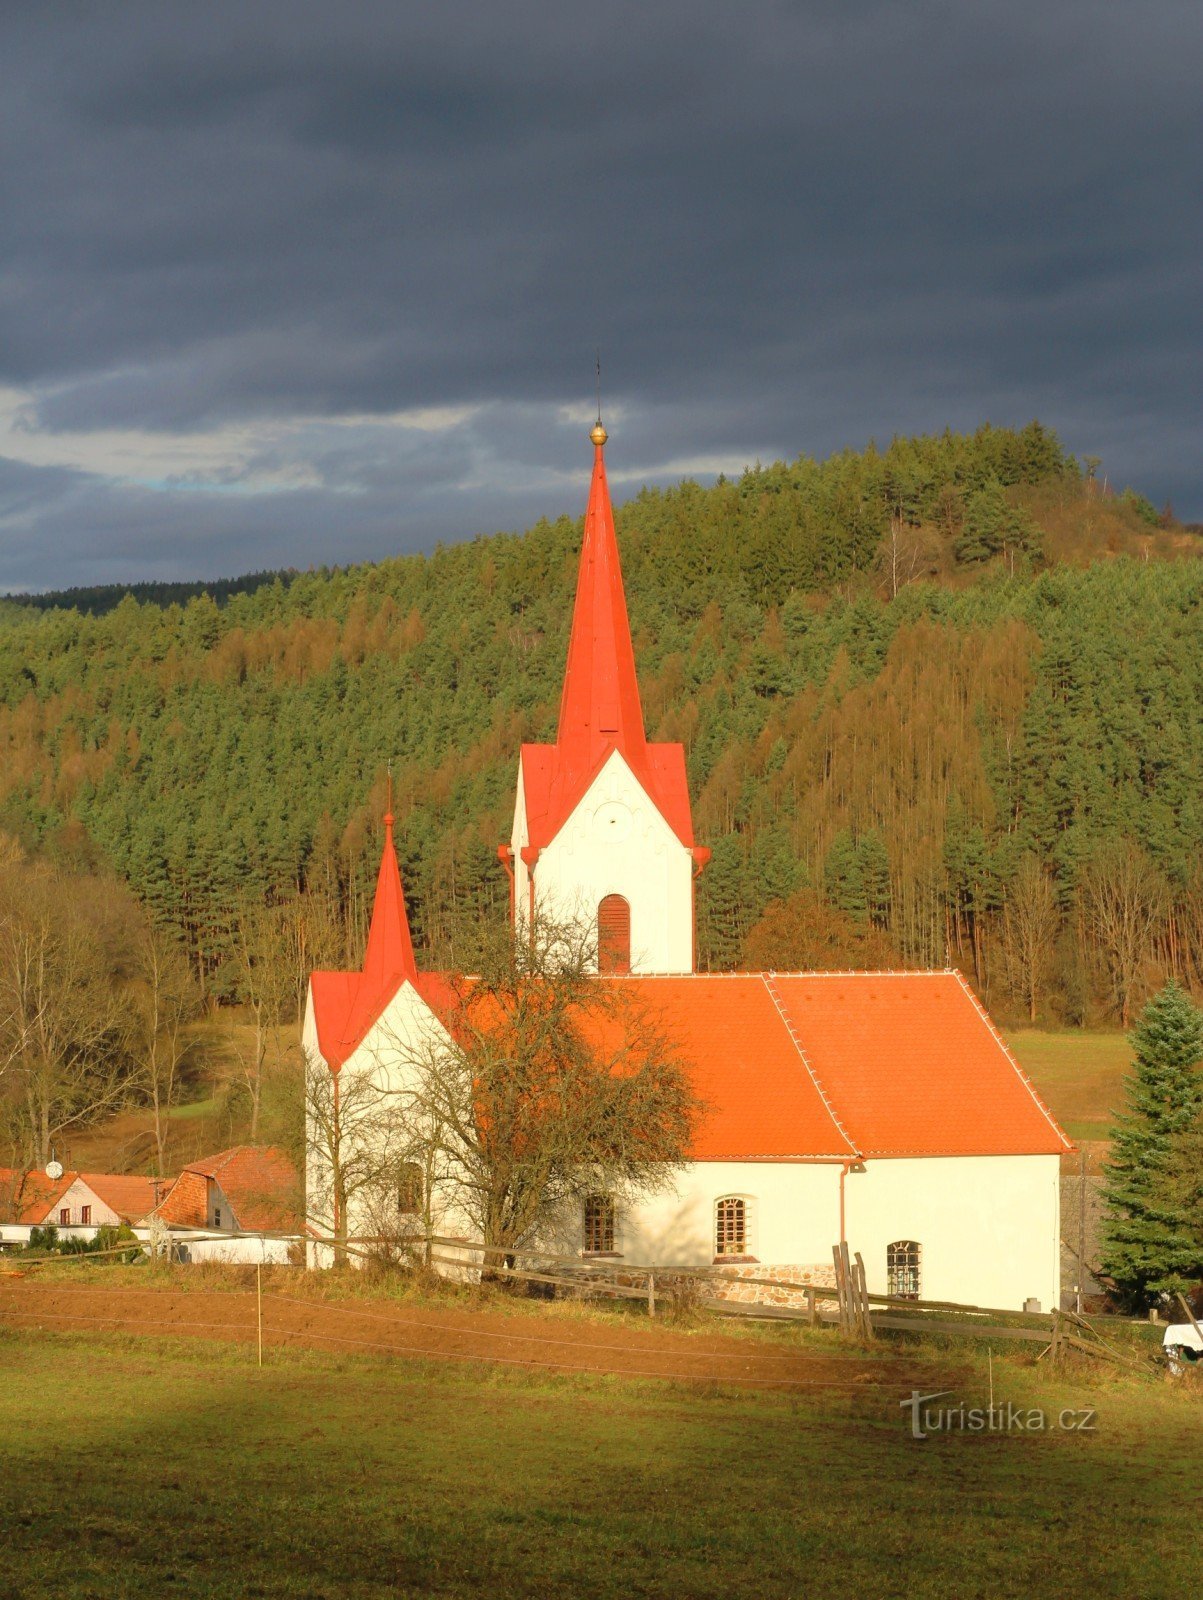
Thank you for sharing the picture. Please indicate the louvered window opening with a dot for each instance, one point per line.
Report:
(614, 935)
(599, 1225)
(731, 1228)
(902, 1269)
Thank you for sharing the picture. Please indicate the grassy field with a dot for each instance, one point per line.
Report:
(1079, 1074)
(144, 1468)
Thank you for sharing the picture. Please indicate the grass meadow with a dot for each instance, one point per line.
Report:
(142, 1467)
(1079, 1075)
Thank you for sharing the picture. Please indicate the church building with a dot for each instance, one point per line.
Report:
(881, 1108)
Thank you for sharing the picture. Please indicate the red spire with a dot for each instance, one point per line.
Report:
(600, 705)
(390, 952)
(387, 963)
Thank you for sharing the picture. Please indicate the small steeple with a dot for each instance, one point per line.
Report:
(600, 705)
(390, 951)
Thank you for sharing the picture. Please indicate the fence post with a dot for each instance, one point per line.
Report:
(812, 1312)
(651, 1291)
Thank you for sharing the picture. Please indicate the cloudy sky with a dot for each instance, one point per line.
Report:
(287, 283)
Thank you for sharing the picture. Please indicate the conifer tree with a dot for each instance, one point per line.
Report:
(1151, 1247)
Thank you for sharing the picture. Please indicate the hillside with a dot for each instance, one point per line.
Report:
(947, 694)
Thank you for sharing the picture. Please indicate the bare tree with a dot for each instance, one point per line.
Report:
(311, 925)
(902, 556)
(1031, 922)
(62, 1019)
(358, 1143)
(264, 965)
(164, 1000)
(1125, 900)
(547, 1085)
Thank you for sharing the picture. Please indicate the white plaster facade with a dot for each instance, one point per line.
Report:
(386, 1058)
(75, 1201)
(615, 842)
(987, 1226)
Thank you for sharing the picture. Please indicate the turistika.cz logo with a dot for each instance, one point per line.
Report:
(927, 1419)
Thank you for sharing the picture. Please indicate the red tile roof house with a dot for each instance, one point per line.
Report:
(881, 1108)
(76, 1202)
(240, 1195)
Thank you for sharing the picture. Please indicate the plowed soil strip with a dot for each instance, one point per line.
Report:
(461, 1335)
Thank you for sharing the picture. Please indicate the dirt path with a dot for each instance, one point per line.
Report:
(456, 1334)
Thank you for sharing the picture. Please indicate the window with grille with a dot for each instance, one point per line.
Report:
(614, 935)
(599, 1225)
(731, 1228)
(409, 1187)
(902, 1269)
(85, 1215)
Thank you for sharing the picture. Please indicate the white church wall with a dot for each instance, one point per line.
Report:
(386, 1058)
(988, 1227)
(616, 842)
(793, 1213)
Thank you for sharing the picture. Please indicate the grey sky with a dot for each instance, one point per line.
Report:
(284, 283)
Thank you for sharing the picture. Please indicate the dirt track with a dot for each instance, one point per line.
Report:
(455, 1334)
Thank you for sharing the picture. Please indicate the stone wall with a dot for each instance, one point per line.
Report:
(729, 1283)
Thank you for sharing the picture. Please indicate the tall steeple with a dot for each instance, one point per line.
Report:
(600, 707)
(602, 824)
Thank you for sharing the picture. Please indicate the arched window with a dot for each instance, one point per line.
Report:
(902, 1269)
(614, 935)
(599, 1225)
(731, 1227)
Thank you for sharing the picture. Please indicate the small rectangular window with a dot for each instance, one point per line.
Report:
(217, 1216)
(64, 1217)
(599, 1225)
(85, 1215)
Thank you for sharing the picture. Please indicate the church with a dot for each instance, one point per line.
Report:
(880, 1108)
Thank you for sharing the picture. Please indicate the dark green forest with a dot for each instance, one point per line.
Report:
(941, 702)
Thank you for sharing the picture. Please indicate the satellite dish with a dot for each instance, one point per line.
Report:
(54, 1170)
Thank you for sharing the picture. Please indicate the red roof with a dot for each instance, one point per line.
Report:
(600, 709)
(346, 1004)
(32, 1197)
(131, 1198)
(816, 1066)
(259, 1182)
(28, 1197)
(914, 1065)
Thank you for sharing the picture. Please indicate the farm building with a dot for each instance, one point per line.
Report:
(247, 1189)
(880, 1107)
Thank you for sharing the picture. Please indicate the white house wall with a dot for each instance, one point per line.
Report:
(617, 842)
(74, 1199)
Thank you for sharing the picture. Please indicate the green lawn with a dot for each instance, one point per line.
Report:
(140, 1468)
(1078, 1074)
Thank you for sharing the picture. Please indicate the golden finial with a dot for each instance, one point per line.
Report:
(598, 434)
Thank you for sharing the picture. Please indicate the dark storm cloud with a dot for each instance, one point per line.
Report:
(790, 227)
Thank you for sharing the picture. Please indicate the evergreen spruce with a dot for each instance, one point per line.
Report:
(1151, 1247)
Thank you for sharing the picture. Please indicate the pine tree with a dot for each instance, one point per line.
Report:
(1151, 1247)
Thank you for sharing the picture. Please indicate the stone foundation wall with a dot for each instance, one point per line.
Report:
(727, 1283)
